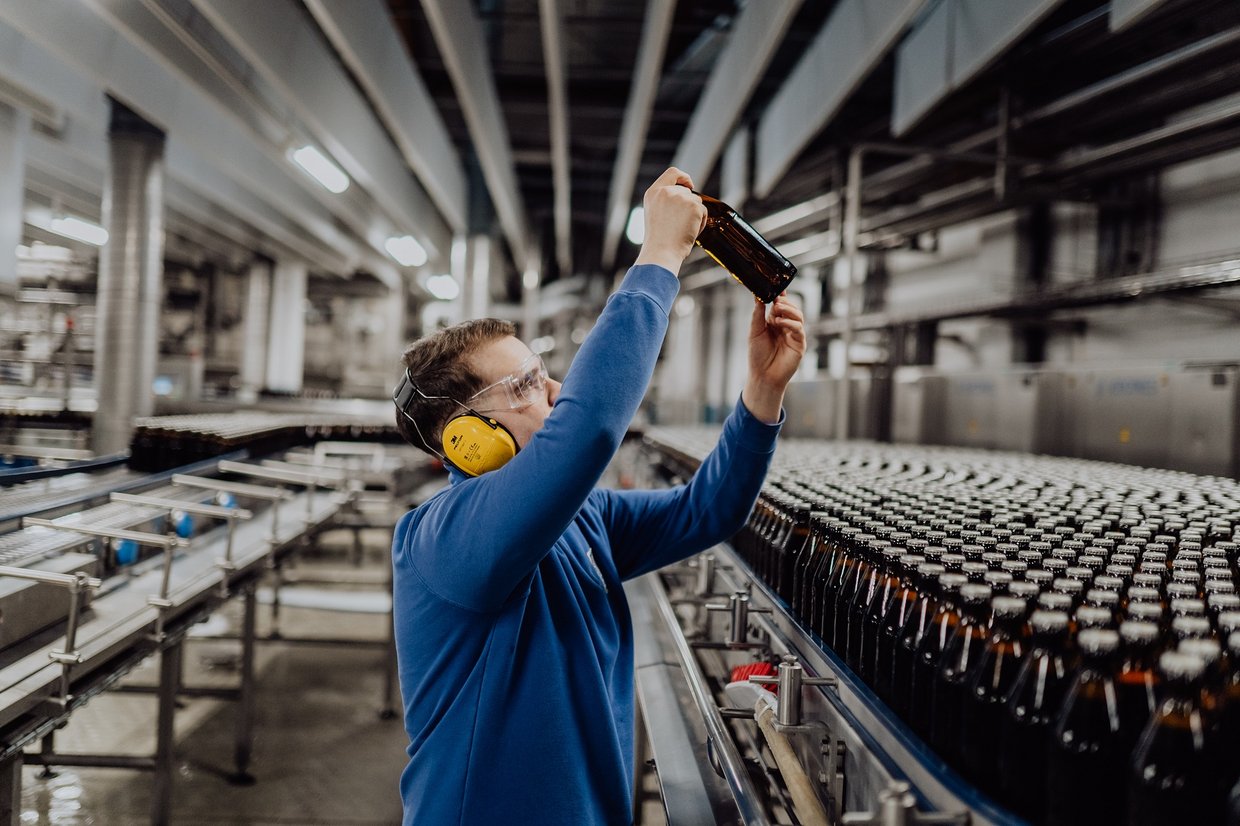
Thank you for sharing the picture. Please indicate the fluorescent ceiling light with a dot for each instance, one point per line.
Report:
(529, 279)
(79, 230)
(406, 250)
(636, 230)
(321, 169)
(443, 287)
(543, 344)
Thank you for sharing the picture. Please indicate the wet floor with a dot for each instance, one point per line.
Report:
(322, 755)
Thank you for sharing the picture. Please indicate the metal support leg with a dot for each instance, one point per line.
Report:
(47, 747)
(11, 791)
(277, 576)
(245, 705)
(165, 753)
(358, 550)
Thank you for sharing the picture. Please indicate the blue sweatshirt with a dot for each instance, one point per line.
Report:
(513, 635)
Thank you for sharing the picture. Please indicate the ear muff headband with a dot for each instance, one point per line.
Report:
(472, 443)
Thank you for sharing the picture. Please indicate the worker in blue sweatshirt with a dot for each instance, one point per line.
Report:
(514, 639)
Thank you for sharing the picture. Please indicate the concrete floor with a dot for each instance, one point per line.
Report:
(322, 755)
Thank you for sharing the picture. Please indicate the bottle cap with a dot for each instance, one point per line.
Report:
(1108, 583)
(1207, 649)
(1040, 577)
(1229, 622)
(1101, 598)
(1027, 591)
(1008, 607)
(1089, 616)
(975, 593)
(1098, 641)
(1140, 594)
(1181, 590)
(1176, 665)
(952, 582)
(1188, 608)
(1223, 602)
(1055, 602)
(1138, 631)
(1185, 627)
(1233, 643)
(1150, 611)
(1043, 621)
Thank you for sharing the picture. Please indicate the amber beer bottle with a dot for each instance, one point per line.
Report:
(1031, 705)
(1173, 777)
(742, 251)
(989, 683)
(1085, 770)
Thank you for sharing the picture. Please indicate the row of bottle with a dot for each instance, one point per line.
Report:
(1072, 649)
(164, 442)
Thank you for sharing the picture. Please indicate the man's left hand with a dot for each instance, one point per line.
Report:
(776, 345)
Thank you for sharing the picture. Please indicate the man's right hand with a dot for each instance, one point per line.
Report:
(674, 217)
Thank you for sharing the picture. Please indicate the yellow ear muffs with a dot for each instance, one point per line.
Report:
(475, 445)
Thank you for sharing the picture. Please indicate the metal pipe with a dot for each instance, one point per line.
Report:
(244, 744)
(731, 765)
(93, 761)
(809, 809)
(263, 492)
(140, 537)
(164, 762)
(47, 577)
(195, 508)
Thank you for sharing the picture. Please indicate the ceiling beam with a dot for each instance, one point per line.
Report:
(459, 36)
(362, 34)
(756, 33)
(856, 36)
(551, 19)
(287, 51)
(649, 67)
(62, 52)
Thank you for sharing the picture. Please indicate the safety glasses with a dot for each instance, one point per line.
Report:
(518, 389)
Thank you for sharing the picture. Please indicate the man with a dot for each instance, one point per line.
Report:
(514, 638)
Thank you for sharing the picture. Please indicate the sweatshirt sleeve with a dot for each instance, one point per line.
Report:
(487, 534)
(650, 529)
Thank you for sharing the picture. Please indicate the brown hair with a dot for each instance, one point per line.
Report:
(439, 366)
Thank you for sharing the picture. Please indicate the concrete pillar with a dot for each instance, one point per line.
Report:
(255, 324)
(130, 278)
(738, 341)
(718, 403)
(809, 290)
(14, 138)
(286, 335)
(474, 274)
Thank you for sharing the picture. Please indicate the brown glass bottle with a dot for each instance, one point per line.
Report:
(1035, 697)
(885, 585)
(742, 251)
(1085, 771)
(1136, 683)
(930, 646)
(951, 687)
(898, 612)
(909, 635)
(989, 681)
(1173, 776)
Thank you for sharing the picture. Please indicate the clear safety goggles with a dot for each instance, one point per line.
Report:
(518, 389)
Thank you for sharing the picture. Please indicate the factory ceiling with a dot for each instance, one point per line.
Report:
(539, 122)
